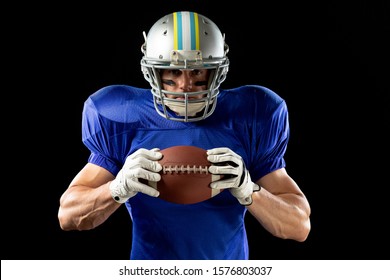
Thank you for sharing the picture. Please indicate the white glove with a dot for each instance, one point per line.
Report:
(236, 177)
(142, 164)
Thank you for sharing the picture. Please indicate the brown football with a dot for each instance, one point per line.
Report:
(185, 178)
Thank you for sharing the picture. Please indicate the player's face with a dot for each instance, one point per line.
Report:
(185, 81)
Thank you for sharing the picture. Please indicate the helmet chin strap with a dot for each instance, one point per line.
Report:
(180, 107)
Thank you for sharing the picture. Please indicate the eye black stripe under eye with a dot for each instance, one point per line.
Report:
(168, 82)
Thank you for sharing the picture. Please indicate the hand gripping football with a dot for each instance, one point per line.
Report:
(185, 178)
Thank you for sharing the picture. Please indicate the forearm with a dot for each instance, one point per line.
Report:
(83, 208)
(284, 215)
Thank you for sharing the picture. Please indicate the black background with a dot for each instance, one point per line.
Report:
(329, 61)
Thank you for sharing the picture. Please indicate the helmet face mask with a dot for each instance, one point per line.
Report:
(184, 41)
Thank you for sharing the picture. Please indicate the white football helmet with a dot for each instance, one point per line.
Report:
(185, 40)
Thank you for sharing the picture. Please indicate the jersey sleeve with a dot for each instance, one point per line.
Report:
(98, 135)
(271, 141)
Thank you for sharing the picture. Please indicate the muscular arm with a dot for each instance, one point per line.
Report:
(87, 202)
(281, 207)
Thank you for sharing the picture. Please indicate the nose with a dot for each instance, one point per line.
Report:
(185, 81)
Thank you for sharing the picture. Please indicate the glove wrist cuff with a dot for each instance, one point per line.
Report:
(247, 199)
(117, 191)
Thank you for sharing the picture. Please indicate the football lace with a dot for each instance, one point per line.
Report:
(188, 169)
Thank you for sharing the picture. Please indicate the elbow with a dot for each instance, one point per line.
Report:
(69, 222)
(65, 222)
(296, 231)
(304, 231)
(304, 228)
(64, 219)
(68, 216)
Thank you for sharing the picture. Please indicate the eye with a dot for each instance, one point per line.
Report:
(176, 72)
(196, 72)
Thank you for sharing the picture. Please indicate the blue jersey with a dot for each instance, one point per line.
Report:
(250, 120)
